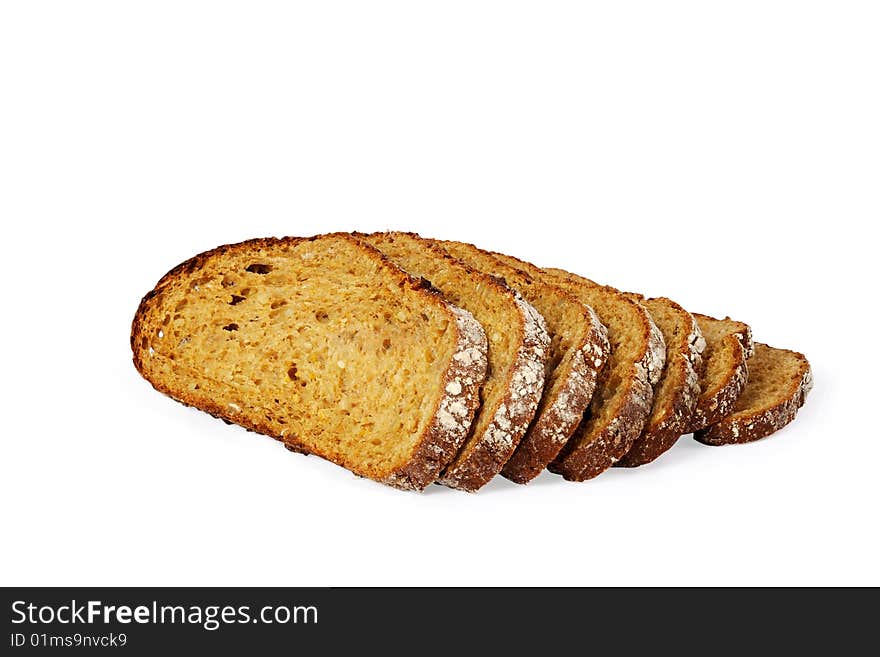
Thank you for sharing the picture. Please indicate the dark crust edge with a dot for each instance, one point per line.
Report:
(712, 408)
(578, 460)
(666, 424)
(748, 425)
(598, 448)
(610, 443)
(594, 449)
(414, 475)
(553, 427)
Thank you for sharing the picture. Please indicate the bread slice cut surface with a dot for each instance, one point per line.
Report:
(518, 348)
(675, 396)
(779, 382)
(725, 368)
(578, 350)
(323, 344)
(621, 404)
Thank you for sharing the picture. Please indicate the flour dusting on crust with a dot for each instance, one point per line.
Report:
(596, 448)
(513, 415)
(559, 420)
(655, 359)
(748, 425)
(455, 412)
(671, 416)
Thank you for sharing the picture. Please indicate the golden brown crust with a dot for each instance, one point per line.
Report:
(717, 399)
(438, 444)
(562, 406)
(745, 425)
(670, 417)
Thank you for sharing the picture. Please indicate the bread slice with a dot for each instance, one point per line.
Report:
(518, 348)
(675, 396)
(622, 402)
(578, 350)
(725, 369)
(323, 344)
(779, 382)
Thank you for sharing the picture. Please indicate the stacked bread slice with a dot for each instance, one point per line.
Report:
(413, 361)
(622, 404)
(518, 350)
(578, 351)
(677, 392)
(322, 344)
(778, 385)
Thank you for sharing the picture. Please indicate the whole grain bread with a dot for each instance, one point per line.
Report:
(518, 349)
(675, 396)
(578, 350)
(319, 343)
(622, 402)
(725, 368)
(779, 382)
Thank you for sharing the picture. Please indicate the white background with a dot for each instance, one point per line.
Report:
(724, 154)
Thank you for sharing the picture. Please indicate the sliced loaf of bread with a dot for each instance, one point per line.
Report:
(779, 382)
(323, 344)
(675, 396)
(518, 349)
(578, 350)
(622, 402)
(725, 369)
